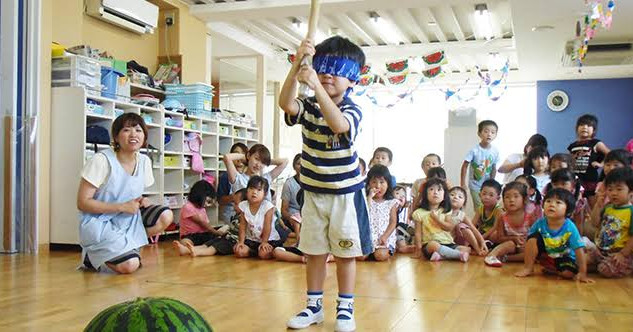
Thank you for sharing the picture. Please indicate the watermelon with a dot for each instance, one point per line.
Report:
(432, 72)
(397, 66)
(365, 70)
(396, 80)
(149, 314)
(434, 58)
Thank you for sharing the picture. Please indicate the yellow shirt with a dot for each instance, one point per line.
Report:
(615, 227)
(431, 231)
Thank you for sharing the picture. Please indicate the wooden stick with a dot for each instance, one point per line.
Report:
(304, 90)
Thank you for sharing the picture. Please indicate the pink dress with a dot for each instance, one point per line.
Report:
(187, 225)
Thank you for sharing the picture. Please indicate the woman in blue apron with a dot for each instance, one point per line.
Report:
(110, 197)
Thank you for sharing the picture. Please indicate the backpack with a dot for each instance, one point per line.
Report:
(97, 135)
(194, 143)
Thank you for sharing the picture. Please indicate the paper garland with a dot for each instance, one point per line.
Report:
(596, 17)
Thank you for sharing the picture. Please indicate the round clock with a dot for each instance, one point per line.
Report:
(557, 100)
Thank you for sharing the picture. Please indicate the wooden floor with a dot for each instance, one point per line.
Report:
(46, 293)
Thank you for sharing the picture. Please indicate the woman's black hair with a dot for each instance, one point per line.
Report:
(343, 47)
(458, 188)
(436, 172)
(259, 183)
(538, 151)
(533, 185)
(566, 175)
(565, 196)
(380, 171)
(446, 202)
(199, 192)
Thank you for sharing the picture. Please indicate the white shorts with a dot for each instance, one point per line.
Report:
(337, 224)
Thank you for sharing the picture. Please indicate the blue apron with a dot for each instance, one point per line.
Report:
(106, 236)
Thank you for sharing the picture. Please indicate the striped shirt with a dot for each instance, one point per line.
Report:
(329, 163)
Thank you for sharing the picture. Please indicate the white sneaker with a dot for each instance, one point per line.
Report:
(305, 318)
(345, 325)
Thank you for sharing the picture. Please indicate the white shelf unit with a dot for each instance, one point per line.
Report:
(172, 174)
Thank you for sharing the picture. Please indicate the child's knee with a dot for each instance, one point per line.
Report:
(265, 255)
(381, 255)
(129, 266)
(432, 247)
(242, 253)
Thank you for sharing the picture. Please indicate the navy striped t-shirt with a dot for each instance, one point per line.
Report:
(329, 163)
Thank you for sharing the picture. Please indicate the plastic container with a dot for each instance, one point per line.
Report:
(109, 80)
(76, 62)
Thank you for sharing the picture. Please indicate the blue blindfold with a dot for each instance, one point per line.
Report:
(337, 66)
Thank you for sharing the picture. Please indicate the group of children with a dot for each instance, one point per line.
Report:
(546, 211)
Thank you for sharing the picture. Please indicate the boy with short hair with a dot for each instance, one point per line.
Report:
(334, 215)
(384, 156)
(555, 241)
(489, 211)
(482, 159)
(612, 254)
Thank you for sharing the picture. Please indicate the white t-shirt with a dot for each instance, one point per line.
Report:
(541, 182)
(97, 169)
(513, 159)
(241, 180)
(255, 222)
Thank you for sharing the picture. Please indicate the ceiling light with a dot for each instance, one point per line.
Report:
(386, 30)
(302, 29)
(431, 23)
(538, 28)
(482, 19)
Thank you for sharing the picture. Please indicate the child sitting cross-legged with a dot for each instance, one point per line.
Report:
(432, 230)
(257, 235)
(489, 211)
(555, 241)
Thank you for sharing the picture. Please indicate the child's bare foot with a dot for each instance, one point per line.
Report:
(180, 248)
(524, 273)
(435, 257)
(463, 256)
(190, 248)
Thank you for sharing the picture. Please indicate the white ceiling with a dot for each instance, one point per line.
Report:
(265, 27)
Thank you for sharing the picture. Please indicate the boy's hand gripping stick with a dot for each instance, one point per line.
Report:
(304, 89)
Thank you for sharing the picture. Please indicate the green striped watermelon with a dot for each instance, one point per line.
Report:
(149, 314)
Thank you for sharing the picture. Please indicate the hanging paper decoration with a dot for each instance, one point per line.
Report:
(495, 89)
(291, 57)
(366, 76)
(397, 66)
(397, 79)
(434, 58)
(596, 17)
(432, 72)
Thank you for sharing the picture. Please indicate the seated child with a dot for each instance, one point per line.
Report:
(464, 232)
(222, 245)
(434, 172)
(289, 204)
(560, 160)
(535, 198)
(564, 178)
(257, 235)
(490, 210)
(404, 230)
(512, 228)
(195, 228)
(615, 159)
(383, 156)
(383, 213)
(612, 254)
(554, 240)
(429, 161)
(432, 231)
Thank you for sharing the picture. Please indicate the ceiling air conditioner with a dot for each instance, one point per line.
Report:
(139, 16)
(600, 54)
